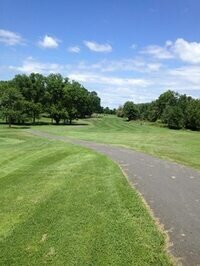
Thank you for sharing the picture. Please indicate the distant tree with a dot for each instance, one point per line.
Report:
(53, 95)
(153, 112)
(54, 92)
(168, 98)
(130, 111)
(58, 113)
(193, 114)
(32, 88)
(75, 100)
(174, 117)
(93, 103)
(11, 105)
(32, 110)
(120, 112)
(107, 110)
(143, 109)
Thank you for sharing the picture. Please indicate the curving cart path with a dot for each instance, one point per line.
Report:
(171, 190)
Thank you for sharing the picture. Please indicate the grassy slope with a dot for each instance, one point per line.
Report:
(65, 205)
(179, 145)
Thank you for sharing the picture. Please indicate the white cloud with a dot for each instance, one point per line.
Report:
(158, 51)
(133, 65)
(187, 51)
(107, 80)
(189, 76)
(49, 42)
(180, 49)
(96, 47)
(74, 49)
(30, 65)
(114, 91)
(114, 96)
(10, 38)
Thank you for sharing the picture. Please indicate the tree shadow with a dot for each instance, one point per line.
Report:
(28, 125)
(77, 124)
(20, 127)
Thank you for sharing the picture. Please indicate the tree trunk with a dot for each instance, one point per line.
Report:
(33, 119)
(9, 121)
(57, 120)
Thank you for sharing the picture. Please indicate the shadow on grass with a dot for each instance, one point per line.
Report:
(28, 125)
(61, 124)
(20, 127)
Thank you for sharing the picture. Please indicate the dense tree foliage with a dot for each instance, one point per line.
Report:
(175, 110)
(25, 98)
(108, 111)
(130, 111)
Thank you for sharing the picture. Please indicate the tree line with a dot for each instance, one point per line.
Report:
(26, 97)
(175, 110)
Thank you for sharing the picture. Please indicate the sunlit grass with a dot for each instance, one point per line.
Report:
(182, 146)
(65, 205)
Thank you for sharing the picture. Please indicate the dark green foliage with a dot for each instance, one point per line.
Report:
(193, 114)
(130, 111)
(11, 105)
(144, 109)
(153, 112)
(27, 97)
(168, 98)
(58, 113)
(173, 117)
(94, 103)
(175, 110)
(32, 110)
(109, 111)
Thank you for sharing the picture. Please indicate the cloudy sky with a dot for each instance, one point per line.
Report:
(123, 49)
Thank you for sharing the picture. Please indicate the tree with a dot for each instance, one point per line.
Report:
(109, 111)
(143, 109)
(54, 95)
(32, 88)
(174, 117)
(11, 105)
(32, 110)
(168, 98)
(130, 111)
(153, 112)
(120, 112)
(193, 114)
(58, 113)
(54, 92)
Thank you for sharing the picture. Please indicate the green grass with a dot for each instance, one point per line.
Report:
(182, 146)
(65, 205)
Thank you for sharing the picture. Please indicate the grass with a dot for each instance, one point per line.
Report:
(65, 205)
(182, 146)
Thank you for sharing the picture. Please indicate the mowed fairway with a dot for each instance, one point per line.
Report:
(182, 146)
(66, 205)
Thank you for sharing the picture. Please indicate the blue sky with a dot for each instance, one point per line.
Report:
(123, 49)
